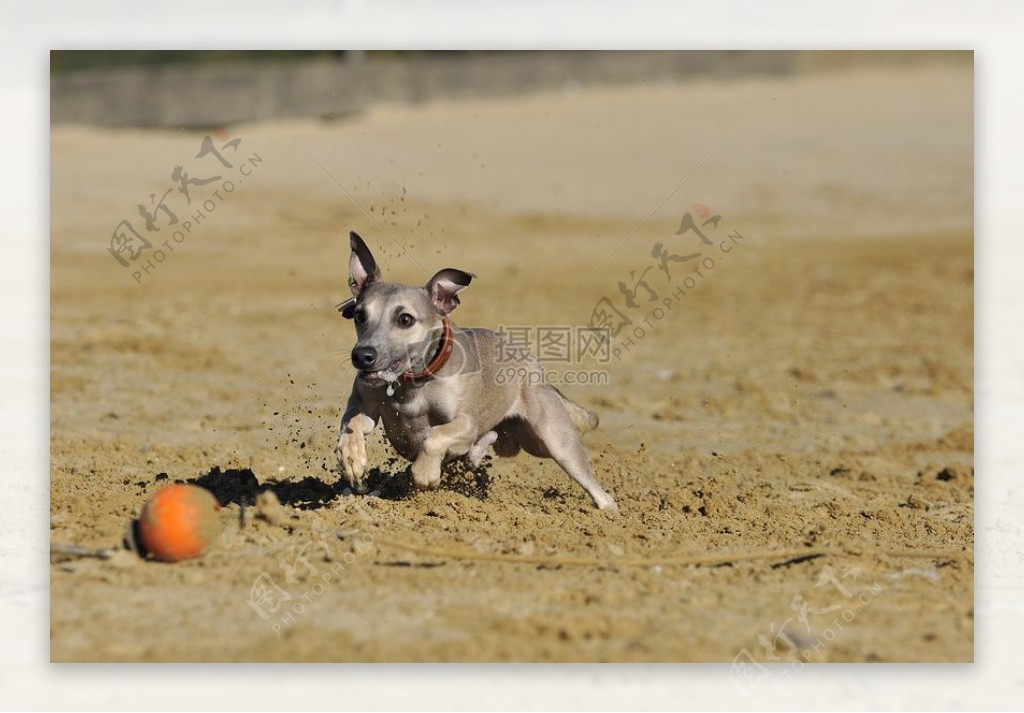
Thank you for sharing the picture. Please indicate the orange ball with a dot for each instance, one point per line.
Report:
(179, 522)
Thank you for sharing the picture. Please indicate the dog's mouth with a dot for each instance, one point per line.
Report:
(386, 374)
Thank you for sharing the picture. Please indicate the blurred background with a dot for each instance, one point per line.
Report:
(273, 84)
(803, 143)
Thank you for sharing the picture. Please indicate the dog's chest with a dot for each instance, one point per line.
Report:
(407, 422)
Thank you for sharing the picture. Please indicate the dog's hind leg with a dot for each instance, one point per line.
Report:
(552, 435)
(479, 449)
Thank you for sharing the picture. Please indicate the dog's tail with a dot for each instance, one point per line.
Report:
(583, 419)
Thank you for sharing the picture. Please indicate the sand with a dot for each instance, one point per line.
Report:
(791, 442)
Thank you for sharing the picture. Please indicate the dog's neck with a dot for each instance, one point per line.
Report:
(444, 351)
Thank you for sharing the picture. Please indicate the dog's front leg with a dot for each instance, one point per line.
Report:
(455, 437)
(351, 449)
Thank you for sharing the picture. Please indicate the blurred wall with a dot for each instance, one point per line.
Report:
(203, 95)
(211, 94)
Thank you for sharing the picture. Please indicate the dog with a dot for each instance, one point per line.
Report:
(440, 390)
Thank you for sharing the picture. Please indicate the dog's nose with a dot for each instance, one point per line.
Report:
(364, 357)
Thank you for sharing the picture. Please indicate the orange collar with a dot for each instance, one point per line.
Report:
(440, 359)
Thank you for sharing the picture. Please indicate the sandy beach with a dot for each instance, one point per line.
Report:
(812, 390)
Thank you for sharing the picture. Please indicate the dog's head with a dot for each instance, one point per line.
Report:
(398, 326)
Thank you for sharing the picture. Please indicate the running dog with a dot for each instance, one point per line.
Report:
(440, 390)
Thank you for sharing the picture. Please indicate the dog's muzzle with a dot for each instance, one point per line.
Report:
(364, 358)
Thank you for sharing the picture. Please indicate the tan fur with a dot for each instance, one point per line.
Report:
(481, 397)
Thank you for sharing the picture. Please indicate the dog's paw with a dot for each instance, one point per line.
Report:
(351, 452)
(606, 502)
(478, 450)
(426, 474)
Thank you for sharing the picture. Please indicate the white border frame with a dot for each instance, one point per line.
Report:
(991, 28)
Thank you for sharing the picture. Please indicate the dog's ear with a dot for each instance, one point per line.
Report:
(445, 286)
(362, 268)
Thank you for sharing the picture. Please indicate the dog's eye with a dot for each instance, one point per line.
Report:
(406, 320)
(359, 317)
